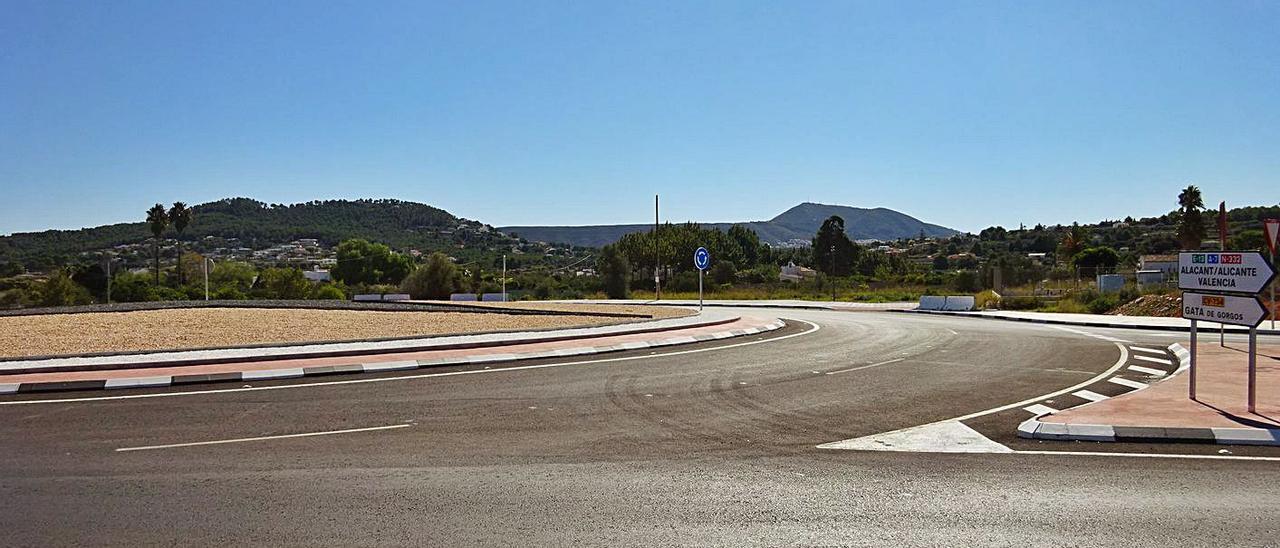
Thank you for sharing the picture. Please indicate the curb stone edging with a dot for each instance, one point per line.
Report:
(1229, 329)
(375, 367)
(1034, 428)
(335, 349)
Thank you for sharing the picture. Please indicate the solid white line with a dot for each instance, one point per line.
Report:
(1145, 349)
(1039, 409)
(1088, 395)
(263, 438)
(1126, 382)
(1161, 361)
(1148, 370)
(878, 364)
(1145, 455)
(1087, 334)
(814, 329)
(1124, 357)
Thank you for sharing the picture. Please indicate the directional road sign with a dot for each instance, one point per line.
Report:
(1246, 311)
(1231, 272)
(701, 258)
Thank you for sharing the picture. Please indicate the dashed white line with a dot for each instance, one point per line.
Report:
(1161, 361)
(1159, 351)
(1039, 409)
(869, 366)
(1126, 382)
(263, 438)
(1147, 370)
(1088, 395)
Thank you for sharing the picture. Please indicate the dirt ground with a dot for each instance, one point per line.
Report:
(64, 334)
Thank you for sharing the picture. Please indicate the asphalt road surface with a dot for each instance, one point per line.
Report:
(713, 444)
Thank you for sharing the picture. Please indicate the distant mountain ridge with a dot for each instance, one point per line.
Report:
(798, 223)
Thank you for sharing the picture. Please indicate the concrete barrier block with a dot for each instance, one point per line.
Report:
(932, 302)
(958, 302)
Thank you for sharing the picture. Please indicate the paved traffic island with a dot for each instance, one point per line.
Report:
(1163, 412)
(175, 367)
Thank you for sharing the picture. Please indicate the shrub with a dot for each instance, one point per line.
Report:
(61, 290)
(282, 283)
(723, 272)
(987, 299)
(434, 280)
(328, 292)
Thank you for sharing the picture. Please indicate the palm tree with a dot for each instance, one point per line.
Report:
(157, 220)
(1191, 228)
(180, 216)
(1073, 241)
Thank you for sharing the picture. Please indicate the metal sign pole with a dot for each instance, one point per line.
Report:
(1192, 371)
(699, 289)
(1273, 292)
(1253, 369)
(1222, 335)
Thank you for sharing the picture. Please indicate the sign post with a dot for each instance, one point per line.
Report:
(701, 259)
(1271, 229)
(1224, 287)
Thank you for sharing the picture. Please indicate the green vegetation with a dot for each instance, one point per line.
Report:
(434, 280)
(361, 262)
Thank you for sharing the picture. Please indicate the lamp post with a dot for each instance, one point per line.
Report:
(504, 278)
(205, 264)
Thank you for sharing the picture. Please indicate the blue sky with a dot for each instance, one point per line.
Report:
(966, 114)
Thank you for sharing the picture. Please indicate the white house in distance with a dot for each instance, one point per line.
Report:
(793, 273)
(1167, 265)
(317, 275)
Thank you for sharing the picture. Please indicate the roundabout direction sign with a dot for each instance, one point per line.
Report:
(701, 259)
(1216, 282)
(1228, 309)
(1243, 272)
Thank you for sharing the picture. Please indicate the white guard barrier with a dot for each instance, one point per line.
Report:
(932, 302)
(958, 302)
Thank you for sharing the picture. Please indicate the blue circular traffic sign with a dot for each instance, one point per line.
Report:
(701, 258)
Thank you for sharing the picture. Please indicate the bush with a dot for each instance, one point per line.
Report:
(61, 290)
(616, 272)
(966, 281)
(723, 272)
(282, 283)
(434, 280)
(14, 298)
(328, 292)
(986, 299)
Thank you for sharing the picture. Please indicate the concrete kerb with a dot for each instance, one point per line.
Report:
(1035, 428)
(161, 381)
(212, 356)
(1113, 325)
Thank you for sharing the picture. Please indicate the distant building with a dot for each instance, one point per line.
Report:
(793, 273)
(317, 275)
(1167, 264)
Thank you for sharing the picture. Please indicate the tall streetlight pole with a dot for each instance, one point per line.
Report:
(108, 257)
(657, 254)
(504, 278)
(206, 277)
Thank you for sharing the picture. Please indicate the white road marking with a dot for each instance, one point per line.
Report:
(1159, 351)
(1088, 395)
(938, 437)
(952, 331)
(1039, 409)
(1126, 382)
(1145, 455)
(877, 364)
(1161, 361)
(814, 329)
(1088, 334)
(1124, 357)
(263, 438)
(1148, 370)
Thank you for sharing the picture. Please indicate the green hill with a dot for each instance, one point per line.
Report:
(255, 225)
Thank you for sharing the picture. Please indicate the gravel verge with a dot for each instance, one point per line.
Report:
(169, 327)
